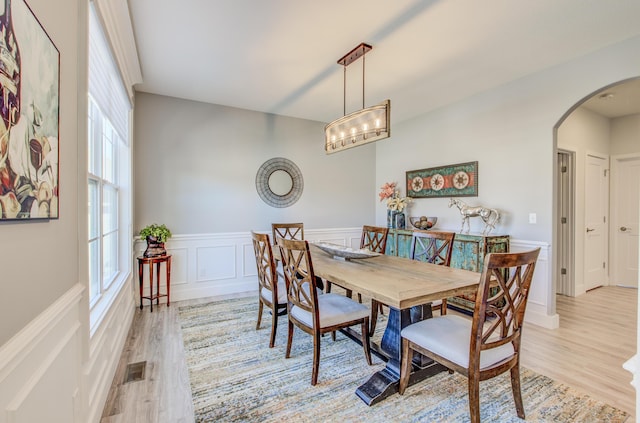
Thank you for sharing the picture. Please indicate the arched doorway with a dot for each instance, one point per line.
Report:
(592, 134)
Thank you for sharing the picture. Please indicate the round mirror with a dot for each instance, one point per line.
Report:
(280, 182)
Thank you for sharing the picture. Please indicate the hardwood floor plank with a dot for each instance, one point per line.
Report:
(597, 334)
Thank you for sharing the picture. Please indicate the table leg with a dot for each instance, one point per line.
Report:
(385, 382)
(168, 280)
(151, 285)
(140, 278)
(158, 283)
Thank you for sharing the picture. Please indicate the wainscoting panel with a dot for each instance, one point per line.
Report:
(215, 263)
(249, 268)
(541, 295)
(223, 263)
(105, 347)
(40, 367)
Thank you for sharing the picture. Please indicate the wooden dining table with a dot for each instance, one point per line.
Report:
(407, 287)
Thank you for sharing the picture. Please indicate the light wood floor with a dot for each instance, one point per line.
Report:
(597, 334)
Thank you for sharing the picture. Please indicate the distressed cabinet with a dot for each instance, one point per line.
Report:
(469, 251)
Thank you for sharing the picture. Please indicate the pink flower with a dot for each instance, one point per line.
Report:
(388, 189)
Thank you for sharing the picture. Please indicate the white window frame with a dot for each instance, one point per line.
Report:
(109, 117)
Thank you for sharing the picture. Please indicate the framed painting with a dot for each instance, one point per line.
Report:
(457, 180)
(29, 128)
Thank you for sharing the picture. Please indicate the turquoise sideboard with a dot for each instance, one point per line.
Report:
(469, 251)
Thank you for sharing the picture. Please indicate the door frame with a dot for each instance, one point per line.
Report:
(565, 219)
(605, 225)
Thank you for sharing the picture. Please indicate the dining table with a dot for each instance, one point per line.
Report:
(408, 287)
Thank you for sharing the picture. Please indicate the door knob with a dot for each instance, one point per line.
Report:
(623, 228)
(590, 230)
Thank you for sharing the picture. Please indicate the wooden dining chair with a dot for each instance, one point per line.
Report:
(430, 246)
(312, 313)
(433, 247)
(287, 231)
(272, 290)
(487, 345)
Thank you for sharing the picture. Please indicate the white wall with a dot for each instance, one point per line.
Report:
(195, 166)
(583, 132)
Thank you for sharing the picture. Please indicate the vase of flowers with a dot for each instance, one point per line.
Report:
(396, 205)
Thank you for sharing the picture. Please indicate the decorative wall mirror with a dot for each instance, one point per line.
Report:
(279, 182)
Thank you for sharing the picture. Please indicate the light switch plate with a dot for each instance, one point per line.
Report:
(533, 218)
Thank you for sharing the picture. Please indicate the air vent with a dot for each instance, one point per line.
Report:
(135, 372)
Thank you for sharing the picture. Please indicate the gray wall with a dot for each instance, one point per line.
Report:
(510, 132)
(625, 135)
(195, 166)
(39, 259)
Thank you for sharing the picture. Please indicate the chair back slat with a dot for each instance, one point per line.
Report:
(499, 312)
(298, 275)
(287, 231)
(267, 275)
(432, 247)
(374, 238)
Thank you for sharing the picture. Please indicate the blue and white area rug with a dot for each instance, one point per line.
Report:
(236, 377)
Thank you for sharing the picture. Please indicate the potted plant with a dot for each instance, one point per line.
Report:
(156, 235)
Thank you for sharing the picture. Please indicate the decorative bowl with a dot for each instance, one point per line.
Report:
(423, 222)
(345, 253)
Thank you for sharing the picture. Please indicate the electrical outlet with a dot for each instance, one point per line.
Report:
(533, 218)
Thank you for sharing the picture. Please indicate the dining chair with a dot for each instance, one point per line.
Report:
(487, 345)
(432, 247)
(374, 238)
(312, 313)
(272, 290)
(287, 231)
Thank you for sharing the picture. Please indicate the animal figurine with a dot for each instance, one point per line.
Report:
(489, 216)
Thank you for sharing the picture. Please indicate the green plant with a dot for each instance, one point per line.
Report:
(160, 232)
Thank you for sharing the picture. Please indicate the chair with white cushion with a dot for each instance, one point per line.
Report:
(273, 291)
(487, 345)
(312, 313)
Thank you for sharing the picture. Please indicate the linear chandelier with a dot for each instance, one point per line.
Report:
(360, 127)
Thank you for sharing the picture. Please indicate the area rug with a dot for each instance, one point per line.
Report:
(236, 377)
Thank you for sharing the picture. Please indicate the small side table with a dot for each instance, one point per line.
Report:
(157, 261)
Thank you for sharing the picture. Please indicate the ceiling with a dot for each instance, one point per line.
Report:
(279, 56)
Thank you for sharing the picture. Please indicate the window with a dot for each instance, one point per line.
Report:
(109, 176)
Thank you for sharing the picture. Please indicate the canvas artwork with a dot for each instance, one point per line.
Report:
(458, 180)
(29, 128)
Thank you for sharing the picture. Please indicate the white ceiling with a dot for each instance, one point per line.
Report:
(279, 56)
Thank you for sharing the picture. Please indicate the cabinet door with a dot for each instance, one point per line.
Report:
(404, 243)
(466, 253)
(391, 247)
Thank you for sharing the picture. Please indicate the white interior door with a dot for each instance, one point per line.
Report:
(625, 200)
(596, 233)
